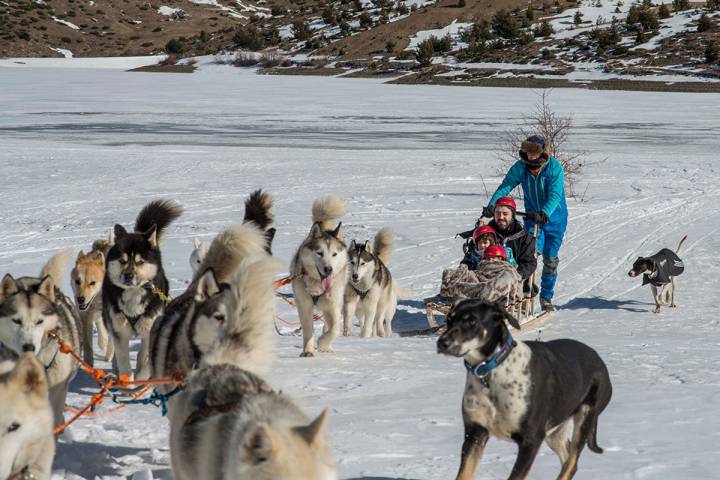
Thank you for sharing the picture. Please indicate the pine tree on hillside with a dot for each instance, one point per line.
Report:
(664, 11)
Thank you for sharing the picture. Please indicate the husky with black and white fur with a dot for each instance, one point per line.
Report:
(193, 321)
(319, 272)
(135, 289)
(371, 293)
(33, 308)
(525, 392)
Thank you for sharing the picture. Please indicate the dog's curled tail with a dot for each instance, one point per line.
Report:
(680, 246)
(382, 244)
(158, 213)
(250, 335)
(55, 267)
(326, 211)
(258, 209)
(230, 247)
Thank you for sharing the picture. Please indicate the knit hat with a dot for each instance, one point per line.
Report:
(534, 145)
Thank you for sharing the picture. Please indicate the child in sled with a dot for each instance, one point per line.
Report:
(493, 279)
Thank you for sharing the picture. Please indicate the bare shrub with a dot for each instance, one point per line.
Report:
(557, 130)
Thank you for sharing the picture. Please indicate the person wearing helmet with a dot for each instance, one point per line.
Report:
(482, 237)
(495, 253)
(542, 179)
(517, 241)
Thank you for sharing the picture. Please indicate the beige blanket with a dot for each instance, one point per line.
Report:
(491, 281)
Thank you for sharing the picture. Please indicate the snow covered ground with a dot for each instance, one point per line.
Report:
(85, 149)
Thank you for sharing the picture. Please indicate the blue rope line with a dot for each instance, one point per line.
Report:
(157, 399)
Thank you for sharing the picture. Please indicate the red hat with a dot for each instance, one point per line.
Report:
(496, 250)
(482, 230)
(506, 202)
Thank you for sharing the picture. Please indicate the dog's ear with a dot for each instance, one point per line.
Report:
(119, 232)
(29, 376)
(81, 255)
(500, 307)
(111, 238)
(207, 286)
(151, 235)
(315, 431)
(269, 237)
(47, 288)
(99, 256)
(8, 287)
(353, 246)
(368, 246)
(336, 233)
(196, 243)
(316, 231)
(257, 445)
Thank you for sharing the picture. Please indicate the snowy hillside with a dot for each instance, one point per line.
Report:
(82, 150)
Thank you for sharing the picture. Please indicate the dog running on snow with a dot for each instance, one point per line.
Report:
(661, 271)
(135, 288)
(525, 392)
(319, 272)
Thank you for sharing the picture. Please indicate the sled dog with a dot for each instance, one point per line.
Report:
(228, 423)
(371, 291)
(27, 445)
(86, 280)
(192, 321)
(661, 271)
(30, 309)
(135, 289)
(319, 274)
(525, 392)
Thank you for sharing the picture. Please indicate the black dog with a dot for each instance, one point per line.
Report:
(526, 392)
(661, 272)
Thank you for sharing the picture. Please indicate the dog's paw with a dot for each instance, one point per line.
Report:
(326, 349)
(307, 354)
(657, 310)
(673, 305)
(347, 333)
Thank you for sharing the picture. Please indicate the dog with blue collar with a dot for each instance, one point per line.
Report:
(524, 392)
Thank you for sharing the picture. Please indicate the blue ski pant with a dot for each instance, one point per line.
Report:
(550, 237)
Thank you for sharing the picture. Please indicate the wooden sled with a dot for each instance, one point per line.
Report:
(523, 310)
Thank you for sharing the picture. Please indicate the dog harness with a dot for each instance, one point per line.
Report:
(483, 369)
(666, 265)
(360, 293)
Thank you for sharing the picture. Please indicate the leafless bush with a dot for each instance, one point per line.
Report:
(245, 60)
(557, 130)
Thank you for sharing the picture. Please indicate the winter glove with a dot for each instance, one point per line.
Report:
(488, 212)
(537, 217)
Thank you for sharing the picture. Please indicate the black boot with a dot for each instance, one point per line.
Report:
(546, 305)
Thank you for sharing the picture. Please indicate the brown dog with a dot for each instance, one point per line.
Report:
(86, 279)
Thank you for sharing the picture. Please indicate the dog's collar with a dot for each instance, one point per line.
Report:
(360, 293)
(483, 369)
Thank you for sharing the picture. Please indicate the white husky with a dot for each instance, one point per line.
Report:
(319, 274)
(30, 309)
(371, 292)
(228, 423)
(27, 445)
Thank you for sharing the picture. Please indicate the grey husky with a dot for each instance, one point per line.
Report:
(30, 309)
(319, 272)
(228, 423)
(192, 321)
(135, 288)
(371, 291)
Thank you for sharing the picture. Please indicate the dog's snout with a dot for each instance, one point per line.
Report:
(81, 300)
(631, 273)
(328, 270)
(128, 277)
(28, 347)
(442, 344)
(355, 277)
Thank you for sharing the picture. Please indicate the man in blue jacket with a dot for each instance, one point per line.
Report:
(542, 179)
